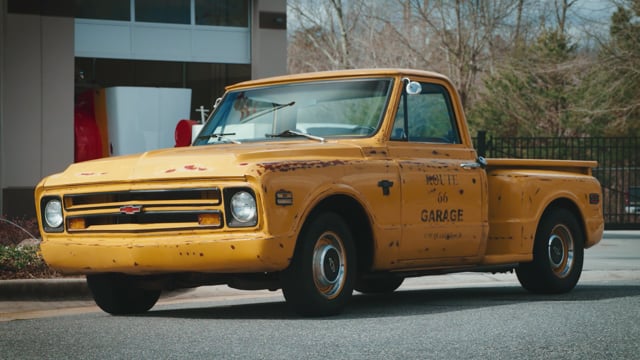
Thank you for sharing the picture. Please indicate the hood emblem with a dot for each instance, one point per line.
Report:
(131, 209)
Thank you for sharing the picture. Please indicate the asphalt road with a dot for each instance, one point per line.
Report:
(460, 316)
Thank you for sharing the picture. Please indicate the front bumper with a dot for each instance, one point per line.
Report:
(168, 253)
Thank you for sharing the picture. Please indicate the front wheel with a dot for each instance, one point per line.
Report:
(120, 294)
(319, 281)
(558, 255)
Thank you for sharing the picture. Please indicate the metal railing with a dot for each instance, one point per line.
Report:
(618, 166)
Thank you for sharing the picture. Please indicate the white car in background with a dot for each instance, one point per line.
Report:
(632, 200)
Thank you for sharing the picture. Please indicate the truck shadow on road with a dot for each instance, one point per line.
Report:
(406, 302)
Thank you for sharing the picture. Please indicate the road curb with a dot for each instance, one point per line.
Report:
(44, 289)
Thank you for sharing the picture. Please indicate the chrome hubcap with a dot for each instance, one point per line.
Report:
(560, 249)
(329, 265)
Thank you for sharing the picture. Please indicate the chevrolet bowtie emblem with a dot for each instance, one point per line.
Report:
(130, 209)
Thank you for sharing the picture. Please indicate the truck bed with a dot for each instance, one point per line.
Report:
(520, 189)
(576, 166)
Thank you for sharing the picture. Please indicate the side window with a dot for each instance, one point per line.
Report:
(426, 117)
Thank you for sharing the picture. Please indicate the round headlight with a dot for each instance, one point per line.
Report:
(243, 207)
(53, 213)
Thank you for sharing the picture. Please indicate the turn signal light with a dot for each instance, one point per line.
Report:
(77, 224)
(214, 219)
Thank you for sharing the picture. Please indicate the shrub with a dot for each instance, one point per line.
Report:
(18, 257)
(21, 262)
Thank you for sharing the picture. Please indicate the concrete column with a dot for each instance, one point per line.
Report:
(58, 98)
(37, 134)
(268, 38)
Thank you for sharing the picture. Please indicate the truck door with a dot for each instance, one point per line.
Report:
(444, 212)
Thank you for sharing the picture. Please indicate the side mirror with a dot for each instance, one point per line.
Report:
(413, 87)
(216, 103)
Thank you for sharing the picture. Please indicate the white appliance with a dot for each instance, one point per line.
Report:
(144, 118)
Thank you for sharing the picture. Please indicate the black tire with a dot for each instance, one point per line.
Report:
(319, 281)
(117, 294)
(383, 285)
(558, 255)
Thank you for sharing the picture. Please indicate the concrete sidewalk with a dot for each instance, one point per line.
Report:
(33, 298)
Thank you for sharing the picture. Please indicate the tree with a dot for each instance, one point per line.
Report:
(457, 37)
(323, 35)
(514, 62)
(611, 90)
(532, 95)
(540, 90)
(466, 30)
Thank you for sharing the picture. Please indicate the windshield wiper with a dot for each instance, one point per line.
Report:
(293, 133)
(220, 137)
(266, 111)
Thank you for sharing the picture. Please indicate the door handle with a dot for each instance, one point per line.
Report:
(479, 163)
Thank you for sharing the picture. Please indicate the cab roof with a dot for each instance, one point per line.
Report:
(335, 74)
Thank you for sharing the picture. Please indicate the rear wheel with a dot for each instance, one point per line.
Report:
(120, 294)
(558, 255)
(319, 280)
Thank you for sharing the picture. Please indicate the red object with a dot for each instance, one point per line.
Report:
(183, 132)
(88, 142)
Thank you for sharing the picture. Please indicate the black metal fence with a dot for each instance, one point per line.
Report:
(618, 167)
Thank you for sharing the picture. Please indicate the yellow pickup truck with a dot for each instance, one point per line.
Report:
(319, 184)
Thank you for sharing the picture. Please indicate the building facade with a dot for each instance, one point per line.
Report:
(51, 51)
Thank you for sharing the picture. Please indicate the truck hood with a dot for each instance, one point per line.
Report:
(212, 161)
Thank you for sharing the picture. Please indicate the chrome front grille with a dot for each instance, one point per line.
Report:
(144, 210)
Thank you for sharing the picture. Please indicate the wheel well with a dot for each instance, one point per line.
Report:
(356, 218)
(567, 204)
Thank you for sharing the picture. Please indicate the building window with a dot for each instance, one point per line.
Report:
(163, 11)
(222, 12)
(103, 10)
(206, 80)
(232, 13)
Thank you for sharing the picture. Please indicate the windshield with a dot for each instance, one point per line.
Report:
(315, 110)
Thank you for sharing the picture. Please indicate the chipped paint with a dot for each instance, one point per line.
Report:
(194, 167)
(90, 173)
(286, 166)
(186, 168)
